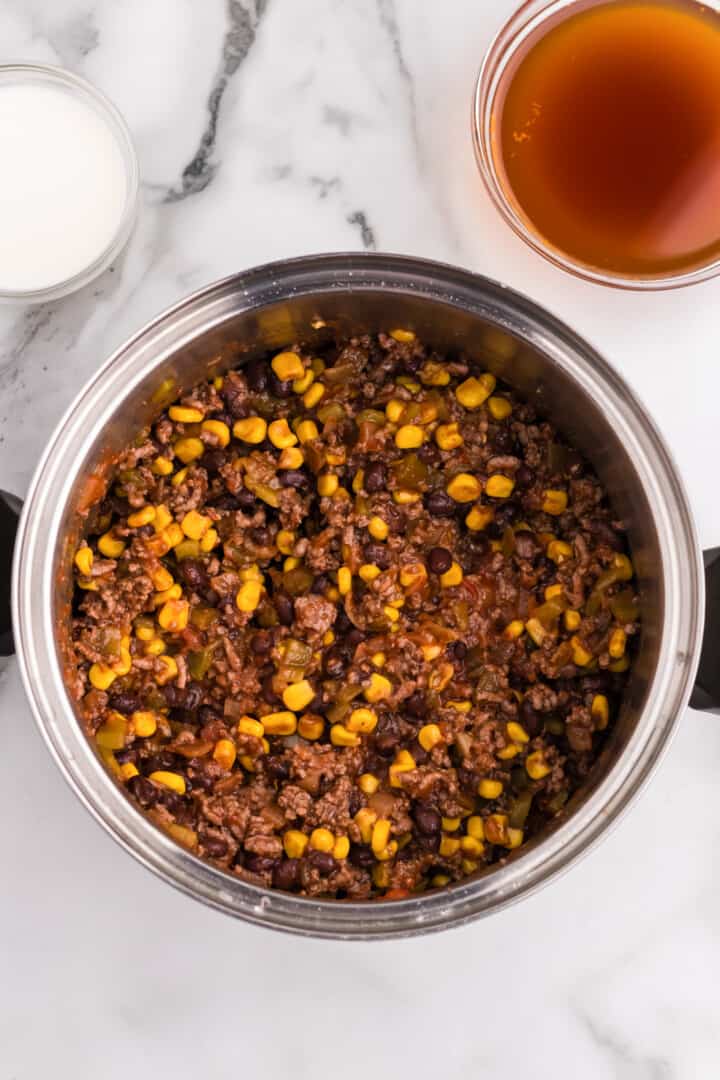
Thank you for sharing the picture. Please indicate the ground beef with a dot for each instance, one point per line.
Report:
(352, 623)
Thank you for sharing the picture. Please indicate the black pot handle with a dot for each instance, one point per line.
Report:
(10, 508)
(706, 693)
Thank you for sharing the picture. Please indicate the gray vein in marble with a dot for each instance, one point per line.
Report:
(342, 119)
(239, 39)
(627, 1065)
(367, 234)
(323, 186)
(33, 320)
(74, 39)
(389, 23)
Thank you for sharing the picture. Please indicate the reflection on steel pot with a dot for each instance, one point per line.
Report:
(449, 309)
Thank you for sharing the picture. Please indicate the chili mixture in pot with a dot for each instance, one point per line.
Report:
(352, 624)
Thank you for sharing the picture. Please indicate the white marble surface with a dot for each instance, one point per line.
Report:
(336, 124)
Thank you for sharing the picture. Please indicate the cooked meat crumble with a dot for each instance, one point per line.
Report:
(354, 624)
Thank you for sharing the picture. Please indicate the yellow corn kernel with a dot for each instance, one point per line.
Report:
(225, 753)
(298, 695)
(163, 517)
(554, 501)
(490, 789)
(475, 827)
(362, 720)
(290, 563)
(408, 383)
(189, 449)
(144, 628)
(391, 613)
(306, 380)
(470, 846)
(111, 735)
(514, 838)
(248, 596)
(179, 477)
(209, 540)
(154, 647)
(409, 437)
(101, 676)
(623, 567)
(307, 431)
(252, 573)
(280, 723)
(616, 644)
(431, 652)
(313, 395)
(448, 436)
(559, 550)
(572, 619)
(280, 434)
(110, 547)
(368, 783)
(378, 659)
(474, 392)
(322, 840)
(183, 414)
(287, 365)
(248, 726)
(449, 846)
(144, 723)
(536, 630)
(380, 687)
(500, 408)
(440, 880)
(168, 669)
(145, 516)
(365, 819)
(429, 736)
(344, 580)
(173, 615)
(461, 706)
(433, 373)
(163, 580)
(451, 577)
(517, 732)
(553, 591)
(162, 467)
(291, 458)
(327, 484)
(341, 736)
(536, 765)
(341, 848)
(285, 541)
(218, 382)
(128, 770)
(332, 595)
(84, 560)
(412, 574)
(218, 430)
(378, 529)
(195, 525)
(380, 835)
(619, 665)
(358, 482)
(508, 752)
(404, 762)
(479, 518)
(499, 486)
(404, 497)
(394, 410)
(368, 572)
(253, 430)
(169, 780)
(328, 637)
(514, 629)
(580, 655)
(405, 337)
(600, 711)
(463, 488)
(174, 592)
(294, 843)
(311, 727)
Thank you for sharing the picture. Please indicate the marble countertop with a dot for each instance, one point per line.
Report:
(278, 128)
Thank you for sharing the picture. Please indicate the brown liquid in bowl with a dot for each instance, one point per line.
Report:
(609, 136)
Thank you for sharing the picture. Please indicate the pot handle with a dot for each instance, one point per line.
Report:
(706, 692)
(10, 508)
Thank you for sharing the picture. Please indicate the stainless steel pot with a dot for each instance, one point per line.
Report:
(449, 308)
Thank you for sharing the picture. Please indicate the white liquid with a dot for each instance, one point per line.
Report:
(63, 186)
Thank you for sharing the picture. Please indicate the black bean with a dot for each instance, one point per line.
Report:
(146, 531)
(429, 454)
(334, 662)
(285, 874)
(258, 864)
(214, 847)
(225, 501)
(427, 844)
(503, 441)
(439, 560)
(125, 702)
(416, 704)
(213, 460)
(256, 374)
(458, 649)
(375, 477)
(468, 779)
(278, 387)
(530, 719)
(354, 802)
(524, 477)
(173, 803)
(261, 535)
(206, 714)
(193, 573)
(504, 516)
(420, 756)
(342, 622)
(427, 820)
(261, 642)
(320, 585)
(294, 478)
(378, 555)
(362, 857)
(439, 504)
(277, 767)
(526, 546)
(201, 782)
(386, 743)
(162, 761)
(246, 500)
(143, 790)
(285, 609)
(268, 692)
(323, 862)
(124, 756)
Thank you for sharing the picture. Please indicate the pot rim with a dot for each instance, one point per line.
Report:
(39, 533)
